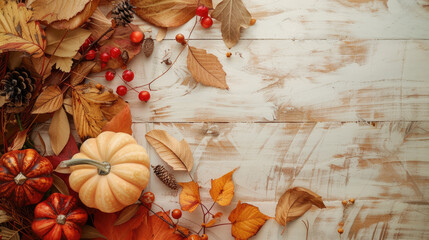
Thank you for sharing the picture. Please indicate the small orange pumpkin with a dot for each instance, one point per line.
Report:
(59, 217)
(110, 171)
(24, 176)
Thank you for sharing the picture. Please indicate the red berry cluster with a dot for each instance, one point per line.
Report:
(127, 75)
(206, 20)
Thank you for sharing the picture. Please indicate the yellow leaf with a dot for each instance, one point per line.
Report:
(60, 185)
(19, 140)
(294, 203)
(126, 214)
(168, 13)
(50, 11)
(62, 63)
(234, 16)
(64, 43)
(222, 190)
(18, 33)
(206, 68)
(59, 131)
(50, 100)
(176, 154)
(246, 220)
(189, 198)
(79, 18)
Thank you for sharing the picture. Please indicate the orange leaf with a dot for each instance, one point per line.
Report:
(156, 229)
(189, 198)
(210, 223)
(19, 140)
(121, 122)
(294, 203)
(246, 220)
(222, 190)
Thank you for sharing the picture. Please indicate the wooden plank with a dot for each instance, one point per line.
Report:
(294, 81)
(327, 19)
(384, 166)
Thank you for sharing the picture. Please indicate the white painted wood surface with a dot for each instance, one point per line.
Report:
(331, 95)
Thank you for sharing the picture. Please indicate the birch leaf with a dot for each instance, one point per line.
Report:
(63, 43)
(234, 16)
(50, 100)
(294, 203)
(59, 131)
(18, 33)
(176, 154)
(168, 13)
(206, 68)
(60, 185)
(50, 11)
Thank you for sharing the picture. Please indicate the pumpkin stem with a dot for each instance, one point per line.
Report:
(20, 178)
(103, 167)
(61, 219)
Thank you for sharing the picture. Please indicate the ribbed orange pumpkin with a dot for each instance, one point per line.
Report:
(59, 217)
(115, 174)
(24, 176)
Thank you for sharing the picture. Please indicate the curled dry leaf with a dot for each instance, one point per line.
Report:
(121, 122)
(18, 33)
(222, 190)
(79, 18)
(59, 131)
(246, 220)
(19, 140)
(162, 32)
(234, 16)
(189, 198)
(80, 72)
(60, 185)
(294, 203)
(89, 232)
(126, 214)
(176, 154)
(50, 100)
(168, 13)
(206, 68)
(50, 11)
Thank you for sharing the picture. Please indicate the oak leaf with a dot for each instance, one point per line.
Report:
(168, 13)
(50, 100)
(18, 33)
(19, 140)
(50, 11)
(79, 18)
(157, 229)
(234, 16)
(176, 154)
(59, 131)
(206, 68)
(121, 122)
(222, 190)
(294, 203)
(189, 198)
(246, 220)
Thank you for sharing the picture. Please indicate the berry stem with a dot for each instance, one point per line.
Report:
(220, 224)
(171, 225)
(18, 119)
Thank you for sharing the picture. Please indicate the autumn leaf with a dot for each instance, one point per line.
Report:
(189, 198)
(126, 214)
(168, 13)
(79, 18)
(19, 140)
(157, 229)
(67, 104)
(213, 221)
(50, 11)
(246, 221)
(222, 190)
(176, 154)
(98, 24)
(162, 32)
(59, 131)
(121, 122)
(206, 68)
(8, 234)
(60, 185)
(50, 100)
(80, 72)
(65, 43)
(89, 232)
(18, 33)
(294, 203)
(234, 16)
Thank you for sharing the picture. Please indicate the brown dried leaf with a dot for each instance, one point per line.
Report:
(79, 18)
(19, 140)
(168, 13)
(67, 104)
(50, 11)
(60, 185)
(8, 234)
(89, 232)
(294, 203)
(127, 214)
(206, 68)
(148, 46)
(50, 100)
(63, 43)
(79, 73)
(59, 131)
(162, 32)
(234, 16)
(4, 217)
(62, 63)
(98, 24)
(176, 154)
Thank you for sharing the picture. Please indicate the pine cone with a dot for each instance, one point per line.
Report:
(165, 177)
(17, 86)
(122, 13)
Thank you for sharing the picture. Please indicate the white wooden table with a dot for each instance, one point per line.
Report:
(331, 95)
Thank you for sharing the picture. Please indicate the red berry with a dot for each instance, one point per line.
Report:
(176, 213)
(136, 37)
(85, 45)
(207, 22)
(180, 38)
(148, 197)
(115, 52)
(103, 65)
(204, 237)
(202, 11)
(121, 90)
(144, 96)
(109, 75)
(90, 55)
(104, 57)
(128, 75)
